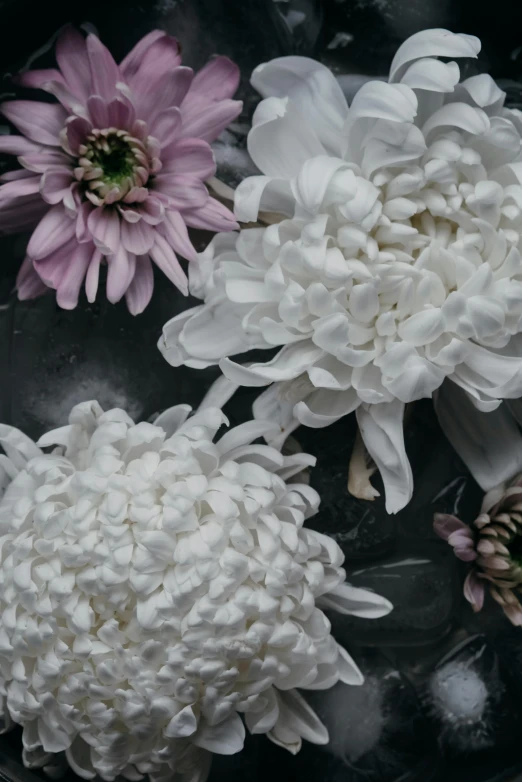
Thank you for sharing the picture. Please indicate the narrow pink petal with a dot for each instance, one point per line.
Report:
(218, 80)
(183, 191)
(138, 237)
(152, 211)
(51, 268)
(445, 524)
(474, 591)
(104, 225)
(121, 268)
(52, 232)
(167, 125)
(121, 113)
(18, 173)
(41, 122)
(156, 54)
(71, 54)
(169, 90)
(19, 187)
(140, 290)
(55, 184)
(37, 79)
(22, 214)
(18, 145)
(83, 233)
(98, 111)
(189, 156)
(105, 73)
(66, 97)
(78, 128)
(206, 121)
(68, 288)
(38, 162)
(176, 234)
(164, 257)
(93, 275)
(213, 216)
(28, 283)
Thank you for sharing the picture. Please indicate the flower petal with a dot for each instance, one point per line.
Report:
(226, 738)
(121, 270)
(206, 121)
(432, 43)
(474, 590)
(139, 292)
(312, 88)
(54, 230)
(29, 284)
(177, 236)
(105, 74)
(104, 226)
(347, 599)
(40, 122)
(71, 54)
(381, 428)
(217, 80)
(299, 717)
(165, 258)
(212, 216)
(490, 444)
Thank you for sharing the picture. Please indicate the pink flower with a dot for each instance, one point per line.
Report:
(115, 171)
(494, 544)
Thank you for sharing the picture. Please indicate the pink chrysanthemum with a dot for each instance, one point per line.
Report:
(115, 171)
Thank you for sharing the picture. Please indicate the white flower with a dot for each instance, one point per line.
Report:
(398, 264)
(154, 586)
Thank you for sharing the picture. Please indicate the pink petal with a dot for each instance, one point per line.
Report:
(121, 113)
(41, 122)
(93, 276)
(218, 80)
(121, 269)
(474, 591)
(165, 258)
(22, 214)
(66, 97)
(444, 524)
(18, 145)
(19, 187)
(105, 73)
(140, 290)
(165, 91)
(39, 78)
(18, 173)
(137, 238)
(52, 232)
(176, 234)
(41, 161)
(152, 211)
(206, 121)
(52, 267)
(77, 129)
(183, 191)
(98, 111)
(68, 288)
(104, 225)
(28, 283)
(71, 55)
(82, 230)
(189, 156)
(156, 54)
(514, 614)
(55, 184)
(213, 216)
(167, 125)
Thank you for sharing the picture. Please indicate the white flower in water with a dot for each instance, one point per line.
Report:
(154, 586)
(397, 264)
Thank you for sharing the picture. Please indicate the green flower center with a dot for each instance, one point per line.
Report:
(112, 163)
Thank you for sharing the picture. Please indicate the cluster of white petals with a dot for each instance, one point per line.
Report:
(397, 262)
(154, 585)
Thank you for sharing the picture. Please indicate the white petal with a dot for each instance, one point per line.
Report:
(347, 599)
(219, 393)
(262, 193)
(290, 362)
(263, 721)
(458, 115)
(244, 434)
(381, 429)
(314, 90)
(298, 716)
(281, 140)
(172, 418)
(433, 43)
(349, 672)
(18, 447)
(269, 406)
(490, 444)
(324, 407)
(433, 75)
(227, 738)
(484, 90)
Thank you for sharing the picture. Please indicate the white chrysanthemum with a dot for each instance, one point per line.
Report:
(399, 262)
(154, 586)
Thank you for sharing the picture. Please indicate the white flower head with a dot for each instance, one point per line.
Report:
(397, 264)
(154, 586)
